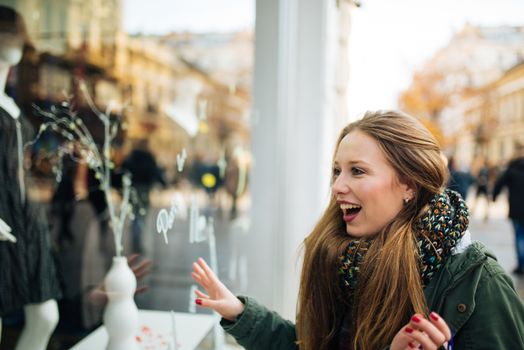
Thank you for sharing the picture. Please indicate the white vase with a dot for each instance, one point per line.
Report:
(121, 313)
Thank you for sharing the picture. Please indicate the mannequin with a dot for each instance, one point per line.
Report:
(28, 275)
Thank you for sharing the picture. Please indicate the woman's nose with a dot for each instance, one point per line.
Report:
(339, 186)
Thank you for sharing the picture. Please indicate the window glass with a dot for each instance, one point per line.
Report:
(172, 79)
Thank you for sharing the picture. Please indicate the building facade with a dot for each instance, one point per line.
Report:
(494, 118)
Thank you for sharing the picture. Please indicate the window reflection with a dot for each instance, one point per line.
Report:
(183, 98)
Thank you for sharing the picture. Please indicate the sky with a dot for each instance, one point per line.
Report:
(163, 16)
(389, 38)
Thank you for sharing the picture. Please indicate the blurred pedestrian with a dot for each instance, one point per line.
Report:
(483, 183)
(513, 179)
(145, 173)
(63, 202)
(459, 179)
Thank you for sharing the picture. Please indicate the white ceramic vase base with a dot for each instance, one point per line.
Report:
(121, 312)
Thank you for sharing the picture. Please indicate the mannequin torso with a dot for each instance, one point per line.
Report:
(9, 55)
(28, 277)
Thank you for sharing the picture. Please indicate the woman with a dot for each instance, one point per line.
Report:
(390, 263)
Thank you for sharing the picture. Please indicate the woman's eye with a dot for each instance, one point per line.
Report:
(356, 171)
(336, 171)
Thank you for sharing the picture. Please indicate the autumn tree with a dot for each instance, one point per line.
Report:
(426, 97)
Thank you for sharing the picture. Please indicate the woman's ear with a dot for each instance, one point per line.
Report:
(408, 190)
(410, 195)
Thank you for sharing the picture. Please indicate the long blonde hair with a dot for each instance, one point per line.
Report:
(389, 288)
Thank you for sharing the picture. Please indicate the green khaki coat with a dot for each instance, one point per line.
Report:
(471, 292)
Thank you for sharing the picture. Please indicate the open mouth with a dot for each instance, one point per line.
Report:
(350, 211)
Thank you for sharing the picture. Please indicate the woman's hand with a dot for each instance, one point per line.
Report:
(218, 297)
(98, 295)
(429, 334)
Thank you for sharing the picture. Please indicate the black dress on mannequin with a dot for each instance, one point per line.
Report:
(27, 269)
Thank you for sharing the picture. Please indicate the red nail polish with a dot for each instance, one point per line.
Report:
(198, 301)
(415, 319)
(409, 330)
(411, 345)
(433, 316)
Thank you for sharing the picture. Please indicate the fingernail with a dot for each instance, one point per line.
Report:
(433, 316)
(415, 319)
(411, 345)
(409, 330)
(198, 301)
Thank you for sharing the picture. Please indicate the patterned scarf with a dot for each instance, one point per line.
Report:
(438, 232)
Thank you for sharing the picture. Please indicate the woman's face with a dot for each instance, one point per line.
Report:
(11, 46)
(366, 186)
